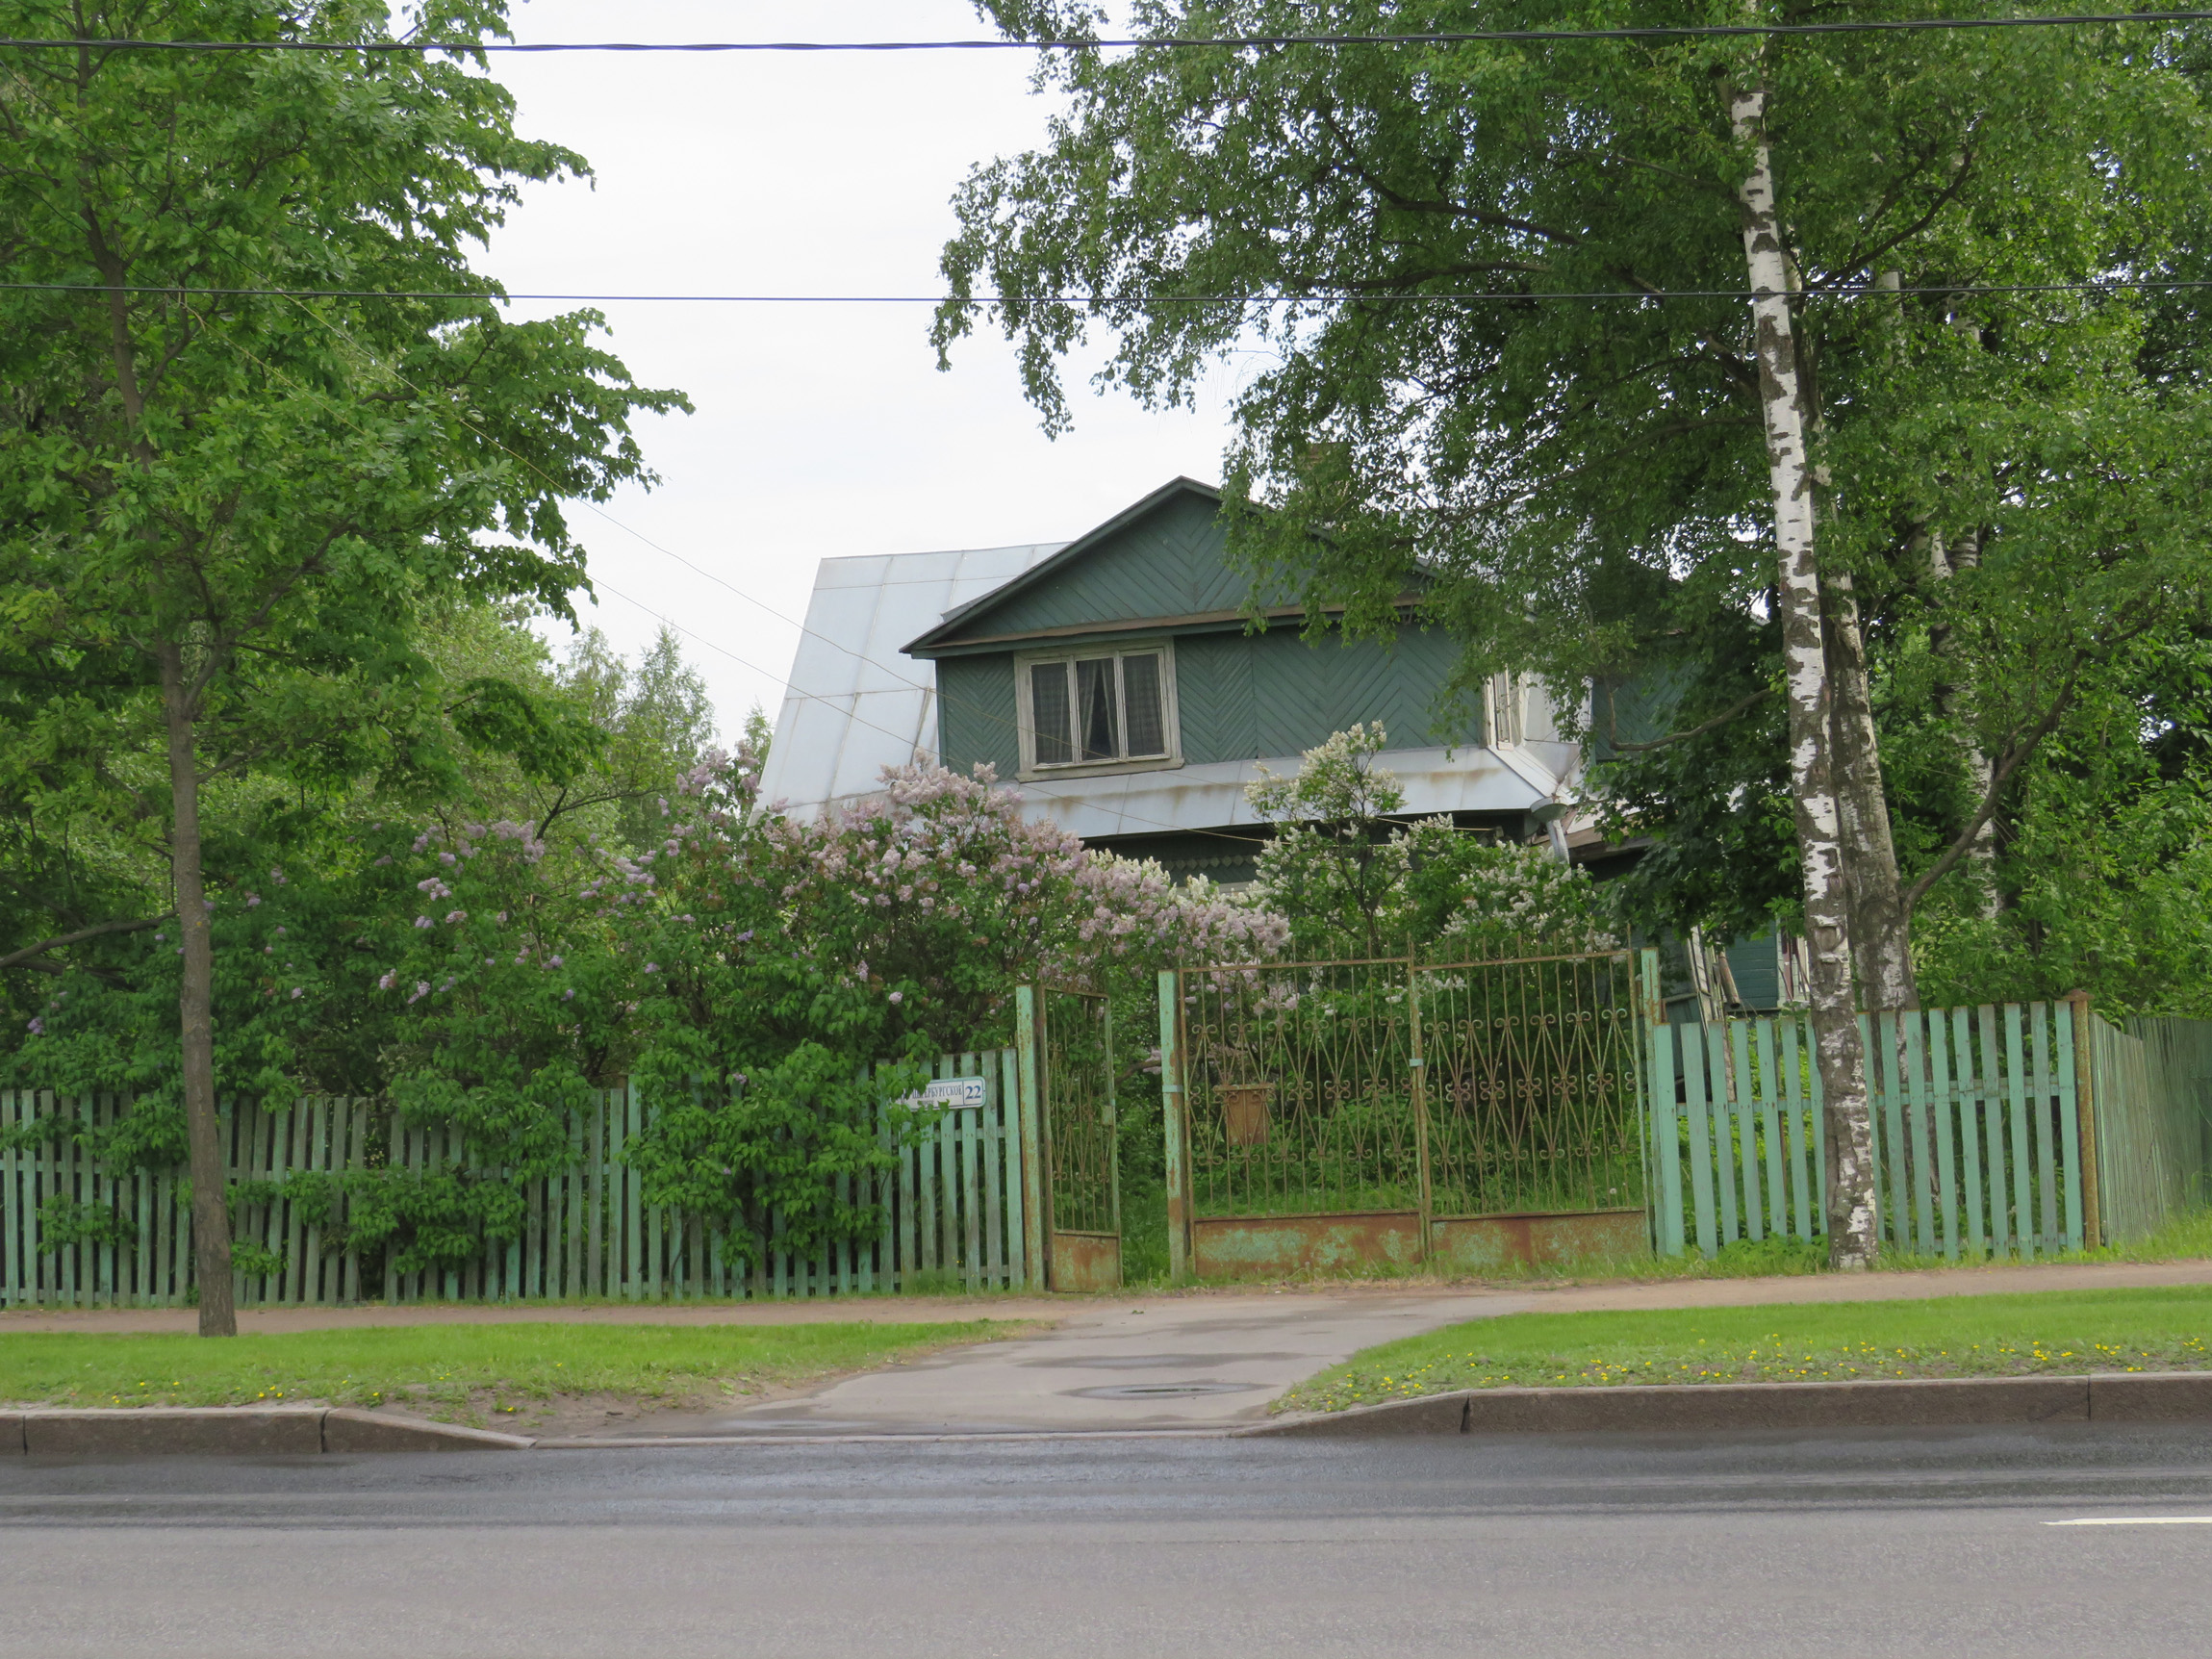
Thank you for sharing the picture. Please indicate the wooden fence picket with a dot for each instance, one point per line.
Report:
(1982, 1118)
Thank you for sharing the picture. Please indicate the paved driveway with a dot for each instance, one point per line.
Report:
(1160, 1363)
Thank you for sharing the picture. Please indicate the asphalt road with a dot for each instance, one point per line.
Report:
(1868, 1544)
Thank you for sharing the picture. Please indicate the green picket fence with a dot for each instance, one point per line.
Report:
(1978, 1118)
(2154, 1153)
(76, 1233)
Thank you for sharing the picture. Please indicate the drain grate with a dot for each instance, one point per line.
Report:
(1163, 1391)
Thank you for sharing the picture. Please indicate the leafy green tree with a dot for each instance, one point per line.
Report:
(1354, 878)
(225, 509)
(1576, 481)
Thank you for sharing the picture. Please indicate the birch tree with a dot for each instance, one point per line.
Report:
(1583, 482)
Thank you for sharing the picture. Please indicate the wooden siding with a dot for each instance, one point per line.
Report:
(976, 713)
(1240, 696)
(1167, 564)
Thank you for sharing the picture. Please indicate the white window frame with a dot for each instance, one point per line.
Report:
(1171, 724)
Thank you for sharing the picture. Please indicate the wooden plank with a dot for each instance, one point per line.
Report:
(949, 1193)
(2040, 1081)
(1036, 1176)
(1700, 1141)
(994, 1149)
(164, 1287)
(11, 1198)
(1667, 1137)
(1919, 1158)
(1770, 1105)
(910, 1196)
(1011, 1130)
(1889, 1121)
(1963, 1086)
(1804, 1203)
(1744, 1116)
(1989, 1088)
(594, 1200)
(2070, 1137)
(1943, 1107)
(1723, 1121)
(627, 1182)
(2022, 1165)
(299, 1127)
(971, 1189)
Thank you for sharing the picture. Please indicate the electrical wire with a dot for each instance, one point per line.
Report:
(853, 714)
(1145, 42)
(1500, 296)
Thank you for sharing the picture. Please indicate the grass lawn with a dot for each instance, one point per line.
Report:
(2054, 1330)
(471, 1371)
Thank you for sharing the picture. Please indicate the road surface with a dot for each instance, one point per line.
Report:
(1865, 1544)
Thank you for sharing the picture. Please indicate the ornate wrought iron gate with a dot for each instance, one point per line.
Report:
(1325, 1115)
(1081, 1219)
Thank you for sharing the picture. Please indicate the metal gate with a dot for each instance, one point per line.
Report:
(1081, 1155)
(1331, 1115)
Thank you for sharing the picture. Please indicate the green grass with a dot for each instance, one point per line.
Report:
(494, 1367)
(2052, 1331)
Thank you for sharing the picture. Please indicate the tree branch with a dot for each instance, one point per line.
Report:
(2000, 775)
(1613, 725)
(22, 958)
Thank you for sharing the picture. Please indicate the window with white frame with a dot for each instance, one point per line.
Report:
(1099, 708)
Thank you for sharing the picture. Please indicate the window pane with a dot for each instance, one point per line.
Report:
(1049, 712)
(1097, 724)
(1140, 696)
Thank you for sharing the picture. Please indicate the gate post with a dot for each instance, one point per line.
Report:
(1419, 1085)
(1029, 1075)
(1655, 1088)
(1175, 1125)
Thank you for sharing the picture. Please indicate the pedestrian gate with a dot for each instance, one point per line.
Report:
(1074, 1043)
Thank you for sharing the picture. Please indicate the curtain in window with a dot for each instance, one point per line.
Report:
(1097, 721)
(1049, 713)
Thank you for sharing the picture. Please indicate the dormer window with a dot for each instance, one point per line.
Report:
(1099, 709)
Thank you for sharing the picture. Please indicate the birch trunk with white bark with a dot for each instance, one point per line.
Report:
(1852, 1219)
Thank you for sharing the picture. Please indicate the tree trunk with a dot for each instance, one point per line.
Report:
(1881, 942)
(195, 1010)
(1951, 706)
(1852, 1221)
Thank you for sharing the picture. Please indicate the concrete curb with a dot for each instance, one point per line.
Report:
(1919, 1402)
(231, 1431)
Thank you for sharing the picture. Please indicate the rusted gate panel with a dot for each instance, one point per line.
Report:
(1080, 1139)
(1328, 1115)
(1287, 1246)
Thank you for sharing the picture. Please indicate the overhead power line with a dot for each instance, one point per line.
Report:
(1142, 43)
(1499, 296)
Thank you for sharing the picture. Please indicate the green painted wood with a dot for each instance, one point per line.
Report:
(1967, 1089)
(12, 1162)
(1665, 1133)
(1702, 1198)
(1921, 1125)
(2042, 1085)
(1175, 1143)
(994, 1152)
(970, 1190)
(1033, 1220)
(1805, 1203)
(1016, 1183)
(1771, 1127)
(2022, 1170)
(1724, 1130)
(2069, 1125)
(909, 1258)
(976, 713)
(1744, 1111)
(1942, 1106)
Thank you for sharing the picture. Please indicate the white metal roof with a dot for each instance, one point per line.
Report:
(854, 704)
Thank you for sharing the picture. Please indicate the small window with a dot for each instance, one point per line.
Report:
(1098, 708)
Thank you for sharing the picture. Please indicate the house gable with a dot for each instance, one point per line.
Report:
(1161, 564)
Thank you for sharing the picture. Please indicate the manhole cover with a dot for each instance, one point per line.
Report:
(1163, 1391)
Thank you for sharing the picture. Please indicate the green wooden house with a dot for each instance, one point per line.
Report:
(1117, 682)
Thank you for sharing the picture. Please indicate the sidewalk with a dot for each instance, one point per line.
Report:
(1144, 1362)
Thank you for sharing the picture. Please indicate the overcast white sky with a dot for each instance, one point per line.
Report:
(819, 431)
